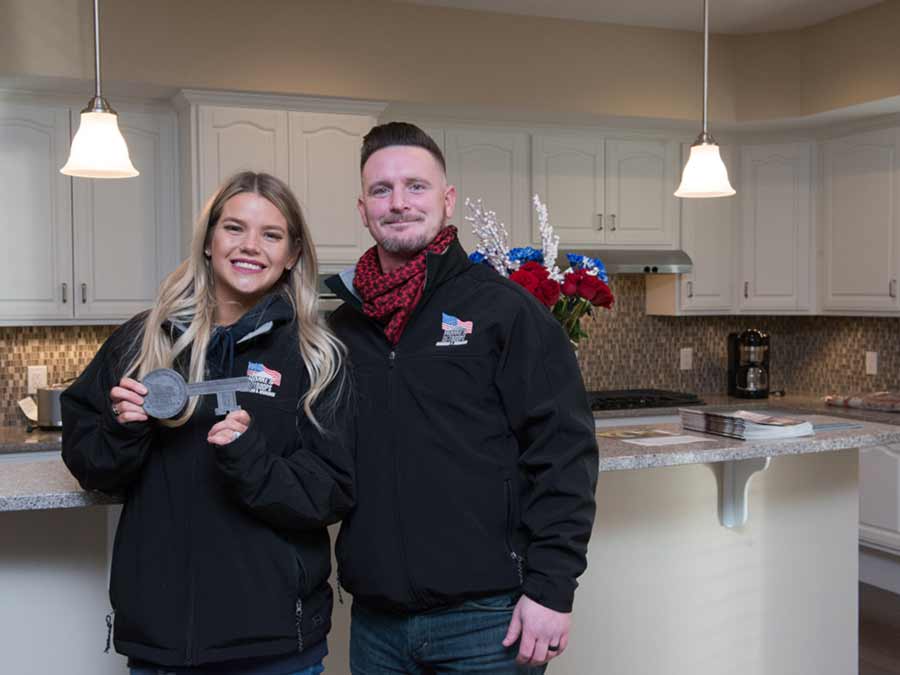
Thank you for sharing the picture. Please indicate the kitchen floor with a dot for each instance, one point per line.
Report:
(879, 631)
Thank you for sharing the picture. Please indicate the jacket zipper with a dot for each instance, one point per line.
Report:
(516, 558)
(392, 362)
(189, 644)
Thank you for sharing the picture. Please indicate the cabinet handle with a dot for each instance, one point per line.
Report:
(65, 292)
(892, 288)
(83, 294)
(599, 222)
(612, 225)
(746, 289)
(690, 289)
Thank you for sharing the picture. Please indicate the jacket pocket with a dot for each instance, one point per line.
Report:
(302, 576)
(512, 519)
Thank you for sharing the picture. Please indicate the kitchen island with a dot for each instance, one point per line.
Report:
(669, 588)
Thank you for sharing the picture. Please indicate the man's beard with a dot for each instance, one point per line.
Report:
(404, 246)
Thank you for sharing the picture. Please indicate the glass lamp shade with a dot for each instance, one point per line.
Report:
(704, 174)
(98, 149)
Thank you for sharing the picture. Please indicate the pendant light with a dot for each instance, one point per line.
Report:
(98, 148)
(705, 174)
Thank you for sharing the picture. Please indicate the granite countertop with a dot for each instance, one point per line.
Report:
(18, 439)
(617, 454)
(34, 481)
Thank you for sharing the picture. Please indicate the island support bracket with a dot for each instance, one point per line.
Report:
(734, 488)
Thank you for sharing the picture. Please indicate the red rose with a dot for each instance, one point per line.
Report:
(570, 284)
(603, 297)
(588, 287)
(536, 269)
(525, 279)
(548, 292)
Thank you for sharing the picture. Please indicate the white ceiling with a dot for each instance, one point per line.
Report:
(725, 16)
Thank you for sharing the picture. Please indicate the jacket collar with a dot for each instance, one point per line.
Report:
(439, 267)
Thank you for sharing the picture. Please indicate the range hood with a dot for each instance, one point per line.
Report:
(634, 261)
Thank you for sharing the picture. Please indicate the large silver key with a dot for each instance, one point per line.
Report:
(168, 393)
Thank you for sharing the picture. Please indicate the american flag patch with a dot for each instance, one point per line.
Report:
(448, 322)
(260, 370)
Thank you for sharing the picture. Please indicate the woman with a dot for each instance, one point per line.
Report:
(221, 557)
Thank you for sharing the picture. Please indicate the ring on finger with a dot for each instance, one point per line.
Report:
(115, 410)
(235, 435)
(552, 648)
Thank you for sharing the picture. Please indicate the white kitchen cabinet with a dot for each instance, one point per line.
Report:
(776, 228)
(324, 173)
(607, 192)
(491, 166)
(879, 498)
(240, 139)
(83, 250)
(126, 233)
(861, 224)
(36, 277)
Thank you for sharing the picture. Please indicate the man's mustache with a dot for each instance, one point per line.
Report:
(407, 219)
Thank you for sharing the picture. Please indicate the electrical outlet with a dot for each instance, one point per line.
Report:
(687, 358)
(871, 363)
(37, 377)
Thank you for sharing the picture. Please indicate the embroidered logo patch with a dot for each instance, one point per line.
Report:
(455, 331)
(262, 379)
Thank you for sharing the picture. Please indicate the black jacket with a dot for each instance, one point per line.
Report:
(221, 552)
(476, 455)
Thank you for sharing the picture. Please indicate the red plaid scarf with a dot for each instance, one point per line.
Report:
(390, 298)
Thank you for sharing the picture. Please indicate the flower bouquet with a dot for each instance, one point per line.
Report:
(570, 295)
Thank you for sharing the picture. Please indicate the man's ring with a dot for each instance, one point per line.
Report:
(115, 410)
(235, 435)
(552, 648)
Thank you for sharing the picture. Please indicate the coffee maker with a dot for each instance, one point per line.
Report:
(748, 364)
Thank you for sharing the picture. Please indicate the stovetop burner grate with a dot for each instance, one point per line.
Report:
(625, 399)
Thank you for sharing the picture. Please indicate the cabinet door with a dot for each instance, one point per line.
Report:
(708, 236)
(776, 227)
(861, 222)
(491, 166)
(879, 496)
(36, 277)
(567, 174)
(325, 176)
(240, 139)
(640, 207)
(126, 231)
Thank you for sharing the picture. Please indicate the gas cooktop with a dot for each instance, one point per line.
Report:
(625, 399)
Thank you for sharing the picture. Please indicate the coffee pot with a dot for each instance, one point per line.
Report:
(748, 364)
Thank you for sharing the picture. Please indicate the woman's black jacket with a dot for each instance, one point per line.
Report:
(221, 551)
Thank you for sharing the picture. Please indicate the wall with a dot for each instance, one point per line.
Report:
(625, 349)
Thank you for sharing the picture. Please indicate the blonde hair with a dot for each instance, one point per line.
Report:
(187, 300)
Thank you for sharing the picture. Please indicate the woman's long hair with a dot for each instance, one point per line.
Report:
(187, 301)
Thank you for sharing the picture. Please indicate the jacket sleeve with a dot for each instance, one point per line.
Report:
(100, 452)
(311, 487)
(547, 409)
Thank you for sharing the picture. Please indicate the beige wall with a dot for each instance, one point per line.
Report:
(391, 51)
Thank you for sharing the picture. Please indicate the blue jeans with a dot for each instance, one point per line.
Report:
(316, 669)
(466, 638)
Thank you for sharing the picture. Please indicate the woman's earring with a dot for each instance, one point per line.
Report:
(207, 253)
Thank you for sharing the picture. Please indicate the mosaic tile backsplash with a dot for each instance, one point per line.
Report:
(625, 349)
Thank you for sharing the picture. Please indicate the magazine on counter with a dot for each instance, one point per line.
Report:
(744, 425)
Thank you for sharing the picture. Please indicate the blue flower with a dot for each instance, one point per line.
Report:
(525, 254)
(593, 265)
(477, 257)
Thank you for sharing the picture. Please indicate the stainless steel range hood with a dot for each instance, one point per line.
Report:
(635, 261)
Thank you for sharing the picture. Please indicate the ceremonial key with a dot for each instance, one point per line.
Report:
(167, 393)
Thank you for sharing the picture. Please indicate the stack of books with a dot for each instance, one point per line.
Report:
(744, 425)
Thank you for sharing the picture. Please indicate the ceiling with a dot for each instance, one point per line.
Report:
(725, 16)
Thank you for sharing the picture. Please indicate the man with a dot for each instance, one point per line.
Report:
(476, 456)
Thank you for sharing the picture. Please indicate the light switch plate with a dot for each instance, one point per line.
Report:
(871, 363)
(37, 377)
(687, 358)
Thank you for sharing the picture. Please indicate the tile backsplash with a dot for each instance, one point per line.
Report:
(625, 349)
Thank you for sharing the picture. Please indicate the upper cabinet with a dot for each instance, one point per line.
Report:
(607, 192)
(311, 144)
(776, 228)
(491, 166)
(85, 250)
(861, 223)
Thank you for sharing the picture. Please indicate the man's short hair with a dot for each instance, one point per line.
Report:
(399, 133)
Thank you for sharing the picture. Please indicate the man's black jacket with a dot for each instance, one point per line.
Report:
(476, 455)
